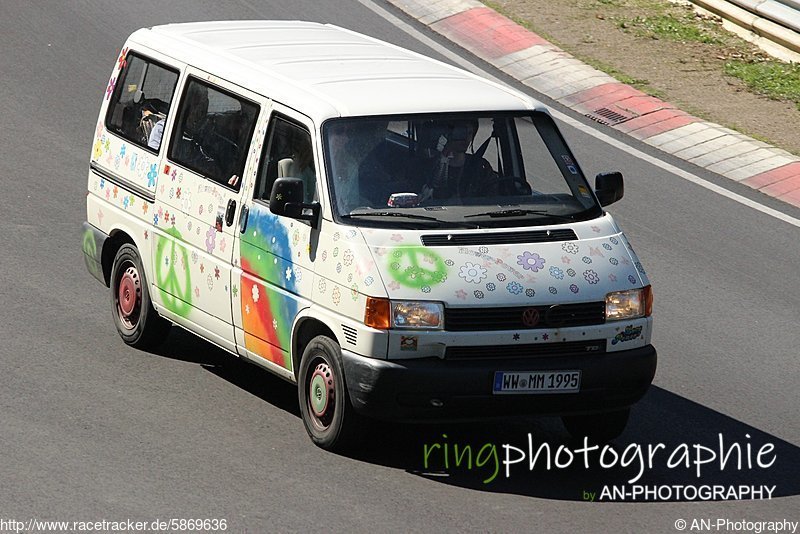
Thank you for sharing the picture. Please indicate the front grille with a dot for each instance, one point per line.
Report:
(499, 238)
(535, 350)
(556, 316)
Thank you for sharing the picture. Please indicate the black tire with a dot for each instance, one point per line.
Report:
(137, 322)
(328, 415)
(600, 427)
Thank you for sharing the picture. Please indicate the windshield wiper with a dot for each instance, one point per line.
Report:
(454, 224)
(521, 212)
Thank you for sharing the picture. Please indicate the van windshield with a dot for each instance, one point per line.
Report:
(472, 170)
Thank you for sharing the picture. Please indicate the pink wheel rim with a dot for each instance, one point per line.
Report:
(129, 297)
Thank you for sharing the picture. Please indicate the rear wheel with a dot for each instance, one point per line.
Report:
(599, 427)
(137, 322)
(325, 406)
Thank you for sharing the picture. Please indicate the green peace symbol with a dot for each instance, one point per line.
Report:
(90, 249)
(177, 299)
(405, 267)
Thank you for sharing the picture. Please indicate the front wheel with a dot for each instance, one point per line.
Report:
(137, 322)
(325, 406)
(600, 427)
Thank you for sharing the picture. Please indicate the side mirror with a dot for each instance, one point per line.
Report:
(609, 187)
(286, 198)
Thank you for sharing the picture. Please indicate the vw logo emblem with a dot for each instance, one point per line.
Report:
(530, 317)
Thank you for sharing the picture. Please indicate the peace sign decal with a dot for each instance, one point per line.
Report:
(90, 249)
(417, 267)
(177, 286)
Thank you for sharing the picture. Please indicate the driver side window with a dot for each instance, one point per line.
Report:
(289, 153)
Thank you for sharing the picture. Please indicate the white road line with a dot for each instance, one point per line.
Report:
(458, 60)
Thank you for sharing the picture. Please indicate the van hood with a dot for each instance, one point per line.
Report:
(471, 268)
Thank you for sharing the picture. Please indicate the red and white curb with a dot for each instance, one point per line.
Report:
(549, 70)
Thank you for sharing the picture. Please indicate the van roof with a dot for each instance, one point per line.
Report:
(327, 71)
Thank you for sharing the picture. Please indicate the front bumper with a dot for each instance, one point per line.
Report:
(436, 389)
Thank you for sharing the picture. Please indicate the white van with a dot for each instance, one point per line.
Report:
(401, 238)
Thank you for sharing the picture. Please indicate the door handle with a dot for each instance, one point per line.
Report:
(243, 216)
(230, 212)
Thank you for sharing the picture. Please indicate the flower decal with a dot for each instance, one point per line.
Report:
(211, 237)
(571, 272)
(573, 288)
(152, 175)
(607, 246)
(613, 261)
(255, 293)
(530, 261)
(591, 276)
(631, 279)
(110, 89)
(490, 286)
(501, 277)
(478, 294)
(439, 276)
(121, 62)
(587, 260)
(530, 293)
(553, 290)
(515, 288)
(569, 248)
(556, 273)
(472, 273)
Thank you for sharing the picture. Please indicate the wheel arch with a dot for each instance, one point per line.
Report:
(306, 329)
(116, 238)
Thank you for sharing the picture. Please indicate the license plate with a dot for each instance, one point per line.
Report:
(536, 382)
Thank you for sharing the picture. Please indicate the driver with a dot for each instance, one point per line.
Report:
(455, 173)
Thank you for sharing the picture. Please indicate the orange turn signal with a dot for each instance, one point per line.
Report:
(376, 314)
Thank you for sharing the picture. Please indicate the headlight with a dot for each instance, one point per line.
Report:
(630, 304)
(414, 314)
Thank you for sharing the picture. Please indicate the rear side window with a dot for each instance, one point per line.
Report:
(141, 101)
(212, 133)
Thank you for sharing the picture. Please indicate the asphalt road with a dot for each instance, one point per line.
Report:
(91, 429)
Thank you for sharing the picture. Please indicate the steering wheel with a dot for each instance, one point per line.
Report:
(513, 185)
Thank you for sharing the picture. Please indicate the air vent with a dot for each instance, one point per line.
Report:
(609, 117)
(498, 238)
(350, 334)
(533, 350)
